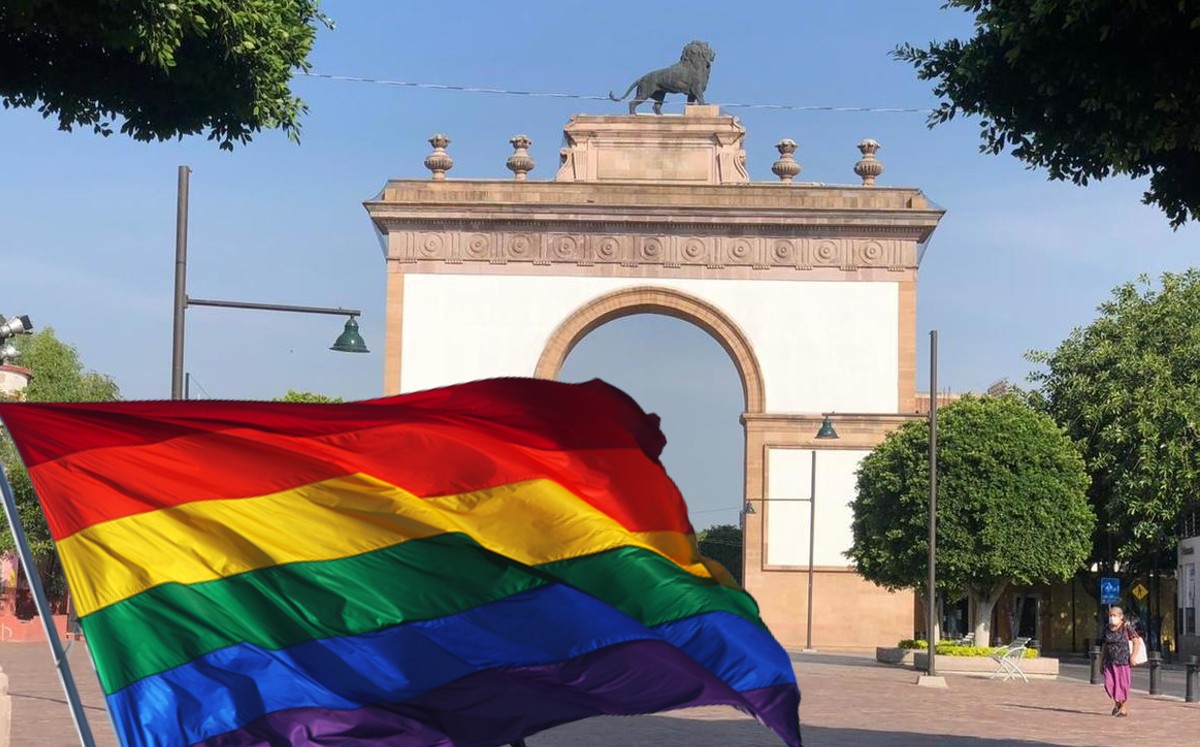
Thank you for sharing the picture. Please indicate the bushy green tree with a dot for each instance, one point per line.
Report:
(723, 543)
(164, 69)
(1127, 388)
(1085, 89)
(58, 372)
(294, 396)
(1012, 504)
(58, 376)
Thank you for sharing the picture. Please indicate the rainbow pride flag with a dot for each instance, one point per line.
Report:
(462, 566)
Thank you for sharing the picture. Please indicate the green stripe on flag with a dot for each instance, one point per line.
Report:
(281, 606)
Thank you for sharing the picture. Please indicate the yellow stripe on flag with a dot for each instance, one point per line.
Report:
(531, 522)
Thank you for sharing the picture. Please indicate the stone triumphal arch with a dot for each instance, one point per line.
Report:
(810, 289)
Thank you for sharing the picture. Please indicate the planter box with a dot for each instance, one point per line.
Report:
(893, 655)
(1041, 667)
(14, 630)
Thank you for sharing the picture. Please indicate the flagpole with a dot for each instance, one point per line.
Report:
(43, 607)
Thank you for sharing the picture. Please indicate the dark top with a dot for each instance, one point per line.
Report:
(1116, 645)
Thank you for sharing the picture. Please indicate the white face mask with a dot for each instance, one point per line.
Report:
(1113, 619)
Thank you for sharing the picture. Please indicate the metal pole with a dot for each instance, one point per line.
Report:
(1192, 680)
(43, 607)
(1154, 663)
(1096, 675)
(181, 220)
(812, 535)
(334, 310)
(932, 614)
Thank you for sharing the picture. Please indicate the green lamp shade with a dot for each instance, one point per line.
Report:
(350, 341)
(827, 430)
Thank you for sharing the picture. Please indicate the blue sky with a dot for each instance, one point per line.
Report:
(88, 222)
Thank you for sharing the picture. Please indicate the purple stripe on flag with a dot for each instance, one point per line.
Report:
(501, 705)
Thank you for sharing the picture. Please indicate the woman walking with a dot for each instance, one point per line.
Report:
(1119, 641)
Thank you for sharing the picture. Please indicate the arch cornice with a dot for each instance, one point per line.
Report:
(666, 302)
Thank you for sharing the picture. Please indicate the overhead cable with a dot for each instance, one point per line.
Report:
(588, 97)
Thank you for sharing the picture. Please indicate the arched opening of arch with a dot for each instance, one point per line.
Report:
(663, 302)
(684, 360)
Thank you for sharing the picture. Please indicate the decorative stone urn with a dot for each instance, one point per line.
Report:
(439, 161)
(786, 167)
(520, 162)
(868, 168)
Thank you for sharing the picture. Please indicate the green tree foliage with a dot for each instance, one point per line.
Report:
(1085, 89)
(1127, 388)
(294, 396)
(58, 376)
(58, 373)
(1012, 504)
(723, 543)
(165, 69)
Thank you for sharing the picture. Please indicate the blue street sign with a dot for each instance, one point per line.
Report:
(1110, 590)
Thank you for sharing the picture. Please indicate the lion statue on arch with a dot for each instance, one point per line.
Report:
(688, 76)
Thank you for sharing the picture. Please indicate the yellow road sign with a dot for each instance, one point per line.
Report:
(1139, 591)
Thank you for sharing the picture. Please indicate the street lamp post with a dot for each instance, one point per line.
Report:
(826, 432)
(931, 615)
(180, 305)
(930, 677)
(349, 341)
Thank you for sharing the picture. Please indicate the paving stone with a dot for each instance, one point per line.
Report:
(848, 701)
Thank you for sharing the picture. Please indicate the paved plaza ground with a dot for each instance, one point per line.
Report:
(849, 701)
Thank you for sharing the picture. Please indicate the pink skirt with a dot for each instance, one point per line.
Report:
(1116, 681)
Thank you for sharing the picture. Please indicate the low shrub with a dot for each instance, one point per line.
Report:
(951, 649)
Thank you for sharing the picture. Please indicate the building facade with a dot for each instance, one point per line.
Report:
(810, 289)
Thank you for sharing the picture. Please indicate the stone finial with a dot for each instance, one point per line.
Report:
(520, 162)
(868, 168)
(439, 161)
(786, 167)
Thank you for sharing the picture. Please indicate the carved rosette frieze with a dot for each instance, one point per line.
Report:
(788, 253)
(740, 251)
(476, 246)
(565, 248)
(634, 250)
(693, 251)
(827, 253)
(651, 250)
(519, 247)
(609, 249)
(432, 246)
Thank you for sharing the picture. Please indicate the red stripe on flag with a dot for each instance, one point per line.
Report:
(533, 412)
(107, 461)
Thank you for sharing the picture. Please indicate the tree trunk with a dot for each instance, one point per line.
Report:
(983, 619)
(939, 602)
(1016, 609)
(933, 630)
(985, 603)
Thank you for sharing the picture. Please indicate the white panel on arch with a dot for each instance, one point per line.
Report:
(822, 346)
(786, 510)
